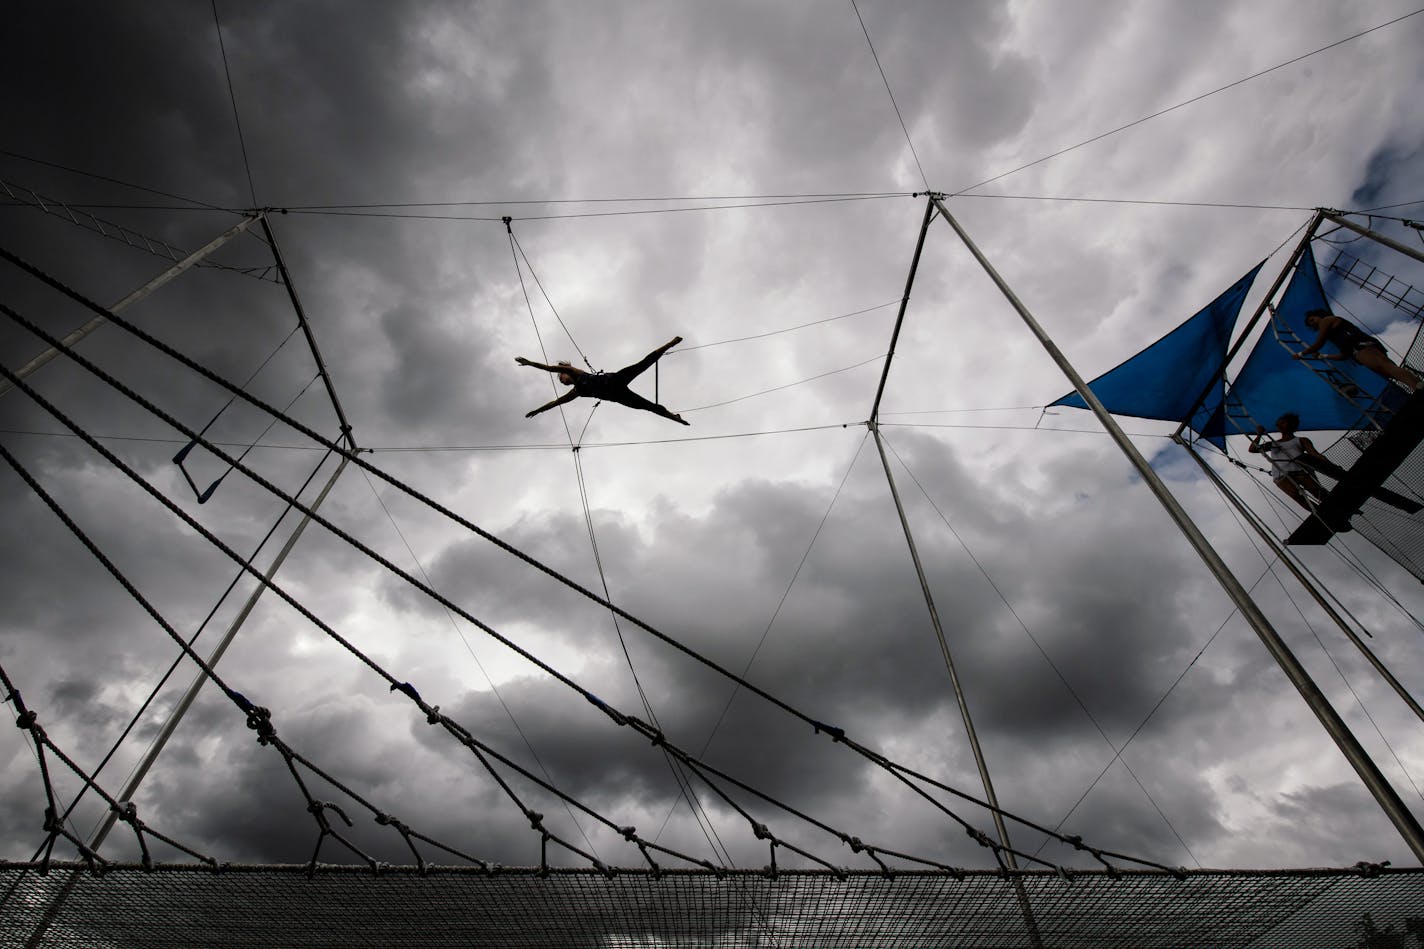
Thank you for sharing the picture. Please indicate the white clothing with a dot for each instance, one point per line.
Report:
(1282, 455)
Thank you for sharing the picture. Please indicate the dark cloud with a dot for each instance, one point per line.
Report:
(418, 322)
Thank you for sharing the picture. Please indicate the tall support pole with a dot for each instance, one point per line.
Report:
(186, 701)
(306, 330)
(900, 316)
(1250, 324)
(1389, 242)
(1284, 556)
(1335, 726)
(191, 260)
(944, 649)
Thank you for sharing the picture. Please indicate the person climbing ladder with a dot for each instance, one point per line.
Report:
(609, 387)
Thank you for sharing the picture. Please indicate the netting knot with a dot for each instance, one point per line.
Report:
(536, 820)
(853, 842)
(1075, 840)
(629, 832)
(127, 812)
(433, 716)
(27, 720)
(981, 838)
(761, 832)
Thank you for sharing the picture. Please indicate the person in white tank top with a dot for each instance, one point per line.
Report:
(1291, 476)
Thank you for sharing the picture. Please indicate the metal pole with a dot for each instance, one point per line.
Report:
(1284, 556)
(1349, 746)
(944, 648)
(306, 330)
(1389, 242)
(6, 385)
(1255, 318)
(181, 709)
(900, 317)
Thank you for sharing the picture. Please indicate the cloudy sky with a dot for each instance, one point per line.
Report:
(736, 174)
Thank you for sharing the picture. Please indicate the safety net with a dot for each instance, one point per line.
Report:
(263, 906)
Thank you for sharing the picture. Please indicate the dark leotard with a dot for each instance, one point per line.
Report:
(1347, 337)
(597, 385)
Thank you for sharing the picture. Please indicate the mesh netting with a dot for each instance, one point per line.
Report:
(350, 906)
(1392, 530)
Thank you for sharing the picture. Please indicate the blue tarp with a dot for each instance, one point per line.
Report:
(1272, 382)
(1165, 380)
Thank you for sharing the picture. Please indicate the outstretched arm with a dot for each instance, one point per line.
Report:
(1326, 325)
(1255, 445)
(1310, 449)
(566, 397)
(571, 370)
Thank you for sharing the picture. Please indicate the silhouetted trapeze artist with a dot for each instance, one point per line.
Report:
(607, 386)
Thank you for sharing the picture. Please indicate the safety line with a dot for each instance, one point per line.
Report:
(1143, 724)
(1039, 646)
(746, 670)
(743, 398)
(1179, 105)
(1271, 567)
(679, 778)
(538, 283)
(173, 667)
(789, 329)
(595, 214)
(127, 184)
(888, 91)
(536, 446)
(684, 784)
(232, 97)
(494, 689)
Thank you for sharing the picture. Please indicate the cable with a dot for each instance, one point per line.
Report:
(1043, 652)
(861, 20)
(232, 97)
(742, 398)
(592, 214)
(127, 184)
(514, 241)
(1139, 201)
(789, 329)
(494, 689)
(1179, 105)
(833, 732)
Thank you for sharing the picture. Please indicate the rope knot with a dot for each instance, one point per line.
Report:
(259, 720)
(536, 820)
(27, 720)
(628, 832)
(433, 716)
(854, 843)
(761, 832)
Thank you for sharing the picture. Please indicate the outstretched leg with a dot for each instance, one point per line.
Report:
(628, 373)
(635, 401)
(1376, 359)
